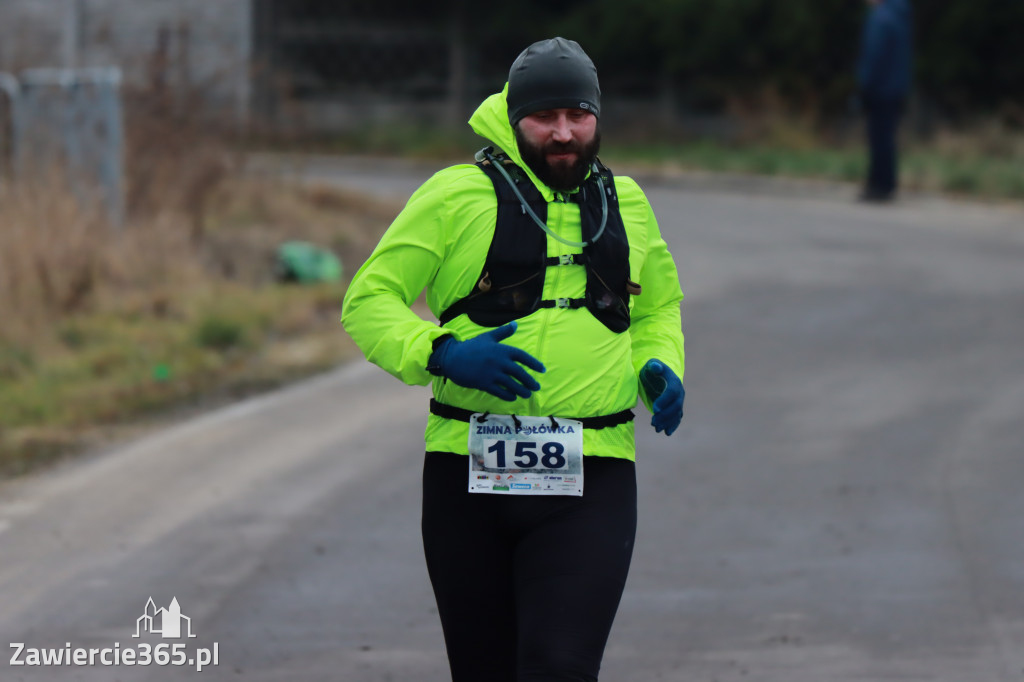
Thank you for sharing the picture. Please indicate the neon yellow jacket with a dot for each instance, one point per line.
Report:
(439, 243)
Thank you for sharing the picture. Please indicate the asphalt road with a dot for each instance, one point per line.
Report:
(843, 501)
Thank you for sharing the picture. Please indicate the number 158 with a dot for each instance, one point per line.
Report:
(525, 455)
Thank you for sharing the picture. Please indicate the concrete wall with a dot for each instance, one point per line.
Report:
(204, 45)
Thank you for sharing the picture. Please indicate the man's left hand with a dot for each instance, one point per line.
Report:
(666, 393)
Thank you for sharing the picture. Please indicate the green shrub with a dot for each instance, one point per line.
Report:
(217, 332)
(14, 361)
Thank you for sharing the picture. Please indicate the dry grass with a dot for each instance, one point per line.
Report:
(991, 139)
(102, 324)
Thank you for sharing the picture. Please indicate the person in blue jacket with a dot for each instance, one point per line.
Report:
(884, 76)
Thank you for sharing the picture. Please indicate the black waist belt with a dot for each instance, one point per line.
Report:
(604, 421)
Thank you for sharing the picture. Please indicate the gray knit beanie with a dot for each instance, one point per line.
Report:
(552, 74)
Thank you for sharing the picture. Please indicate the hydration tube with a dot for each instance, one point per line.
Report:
(540, 223)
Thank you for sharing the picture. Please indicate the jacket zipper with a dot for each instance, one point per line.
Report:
(555, 284)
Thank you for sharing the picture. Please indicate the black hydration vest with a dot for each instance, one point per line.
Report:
(512, 278)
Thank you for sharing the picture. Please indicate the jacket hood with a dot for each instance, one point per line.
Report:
(490, 121)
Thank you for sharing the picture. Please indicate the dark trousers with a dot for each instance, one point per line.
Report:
(883, 117)
(527, 587)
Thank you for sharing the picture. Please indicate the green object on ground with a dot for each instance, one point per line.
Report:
(161, 372)
(306, 263)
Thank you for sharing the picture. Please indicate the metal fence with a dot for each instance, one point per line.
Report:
(313, 65)
(306, 66)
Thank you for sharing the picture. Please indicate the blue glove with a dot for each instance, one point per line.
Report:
(487, 365)
(666, 394)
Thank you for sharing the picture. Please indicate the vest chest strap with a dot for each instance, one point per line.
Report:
(564, 303)
(566, 259)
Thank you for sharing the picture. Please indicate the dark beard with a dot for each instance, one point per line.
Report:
(560, 177)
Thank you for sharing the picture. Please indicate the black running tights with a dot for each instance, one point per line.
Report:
(527, 586)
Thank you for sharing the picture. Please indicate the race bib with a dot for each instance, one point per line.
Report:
(511, 455)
